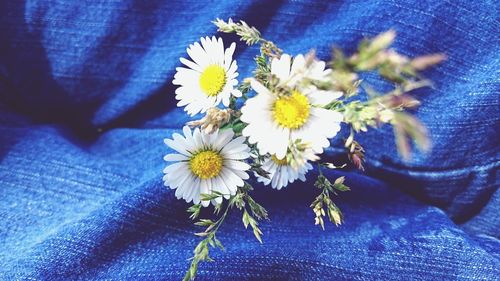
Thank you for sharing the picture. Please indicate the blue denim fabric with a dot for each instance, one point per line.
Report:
(86, 100)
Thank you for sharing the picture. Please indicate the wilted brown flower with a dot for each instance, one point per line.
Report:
(401, 101)
(356, 153)
(213, 120)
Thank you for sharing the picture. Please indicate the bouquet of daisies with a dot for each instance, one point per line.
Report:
(276, 124)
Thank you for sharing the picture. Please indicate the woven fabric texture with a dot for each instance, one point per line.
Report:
(86, 99)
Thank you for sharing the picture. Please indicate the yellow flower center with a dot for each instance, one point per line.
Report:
(281, 162)
(212, 80)
(206, 164)
(292, 111)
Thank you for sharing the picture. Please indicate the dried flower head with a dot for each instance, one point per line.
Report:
(213, 119)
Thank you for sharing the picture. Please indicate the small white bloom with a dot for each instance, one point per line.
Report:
(206, 163)
(275, 120)
(301, 69)
(209, 78)
(281, 172)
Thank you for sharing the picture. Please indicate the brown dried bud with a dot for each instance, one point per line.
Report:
(213, 120)
(269, 49)
(404, 101)
(357, 161)
(356, 155)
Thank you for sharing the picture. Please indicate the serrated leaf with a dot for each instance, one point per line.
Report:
(238, 127)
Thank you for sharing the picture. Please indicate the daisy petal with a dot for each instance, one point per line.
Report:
(175, 157)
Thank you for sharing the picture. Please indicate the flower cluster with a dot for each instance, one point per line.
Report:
(288, 112)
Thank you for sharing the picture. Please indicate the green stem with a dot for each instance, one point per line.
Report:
(193, 268)
(319, 169)
(221, 219)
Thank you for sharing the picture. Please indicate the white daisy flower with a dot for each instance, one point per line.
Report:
(206, 163)
(275, 120)
(281, 173)
(313, 70)
(209, 78)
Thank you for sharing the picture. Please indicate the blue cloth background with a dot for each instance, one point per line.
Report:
(86, 100)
